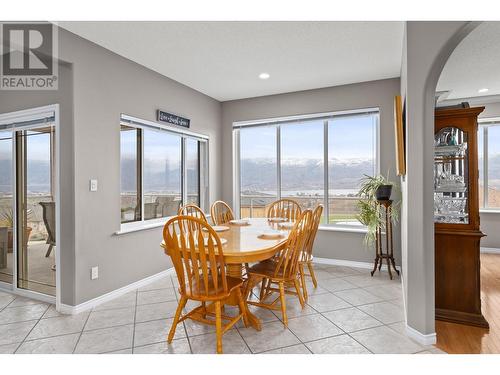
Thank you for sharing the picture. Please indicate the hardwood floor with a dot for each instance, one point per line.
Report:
(462, 339)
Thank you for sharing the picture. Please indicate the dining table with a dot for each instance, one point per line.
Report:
(245, 244)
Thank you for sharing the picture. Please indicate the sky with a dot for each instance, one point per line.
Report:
(348, 138)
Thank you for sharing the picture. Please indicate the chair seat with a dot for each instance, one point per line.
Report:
(198, 290)
(266, 269)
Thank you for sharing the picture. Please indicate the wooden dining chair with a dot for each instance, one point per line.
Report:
(283, 269)
(306, 258)
(198, 259)
(286, 208)
(221, 213)
(192, 210)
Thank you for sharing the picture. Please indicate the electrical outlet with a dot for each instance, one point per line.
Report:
(94, 273)
(93, 185)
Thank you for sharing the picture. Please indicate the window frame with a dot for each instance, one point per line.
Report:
(203, 168)
(483, 125)
(277, 121)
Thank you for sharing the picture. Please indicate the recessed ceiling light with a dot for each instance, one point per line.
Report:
(264, 75)
(482, 90)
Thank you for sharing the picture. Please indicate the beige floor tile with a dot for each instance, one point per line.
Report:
(383, 340)
(156, 331)
(232, 343)
(52, 312)
(352, 319)
(399, 327)
(51, 345)
(127, 300)
(327, 302)
(58, 326)
(156, 296)
(364, 281)
(342, 344)
(386, 312)
(106, 340)
(9, 348)
(122, 351)
(163, 283)
(337, 284)
(110, 318)
(22, 313)
(23, 301)
(178, 346)
(313, 327)
(357, 297)
(15, 332)
(294, 349)
(386, 291)
(155, 311)
(5, 300)
(272, 336)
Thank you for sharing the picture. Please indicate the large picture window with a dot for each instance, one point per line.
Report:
(313, 160)
(161, 169)
(489, 164)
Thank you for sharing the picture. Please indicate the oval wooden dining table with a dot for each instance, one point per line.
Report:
(245, 246)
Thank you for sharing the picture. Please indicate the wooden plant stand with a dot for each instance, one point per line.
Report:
(388, 255)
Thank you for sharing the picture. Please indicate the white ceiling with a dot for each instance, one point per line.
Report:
(223, 59)
(475, 64)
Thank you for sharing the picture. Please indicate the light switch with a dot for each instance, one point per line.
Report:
(94, 273)
(93, 185)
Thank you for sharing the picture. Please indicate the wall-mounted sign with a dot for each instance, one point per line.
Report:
(172, 119)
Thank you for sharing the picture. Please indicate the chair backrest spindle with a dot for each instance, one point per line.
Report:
(288, 258)
(197, 255)
(221, 213)
(285, 208)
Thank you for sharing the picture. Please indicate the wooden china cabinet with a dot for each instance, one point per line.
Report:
(456, 217)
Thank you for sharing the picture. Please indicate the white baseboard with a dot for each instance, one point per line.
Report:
(349, 263)
(489, 250)
(68, 309)
(425, 340)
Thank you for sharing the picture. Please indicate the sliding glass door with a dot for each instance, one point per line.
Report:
(35, 209)
(28, 201)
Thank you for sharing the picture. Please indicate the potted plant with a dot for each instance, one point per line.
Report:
(372, 190)
(7, 220)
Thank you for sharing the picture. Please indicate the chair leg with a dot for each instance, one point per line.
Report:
(243, 308)
(218, 326)
(303, 281)
(299, 293)
(283, 303)
(311, 272)
(180, 306)
(262, 289)
(49, 250)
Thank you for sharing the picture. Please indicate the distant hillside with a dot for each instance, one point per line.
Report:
(304, 174)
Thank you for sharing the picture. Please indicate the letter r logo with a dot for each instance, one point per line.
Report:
(27, 49)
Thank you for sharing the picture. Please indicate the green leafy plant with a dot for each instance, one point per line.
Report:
(7, 217)
(370, 213)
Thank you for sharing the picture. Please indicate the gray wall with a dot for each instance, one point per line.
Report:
(19, 100)
(106, 85)
(428, 46)
(329, 244)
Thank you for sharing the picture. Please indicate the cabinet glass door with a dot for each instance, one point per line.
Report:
(451, 176)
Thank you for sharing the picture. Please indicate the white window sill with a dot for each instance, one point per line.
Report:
(142, 225)
(344, 228)
(138, 226)
(492, 211)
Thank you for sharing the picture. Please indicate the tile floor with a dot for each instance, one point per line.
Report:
(349, 312)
